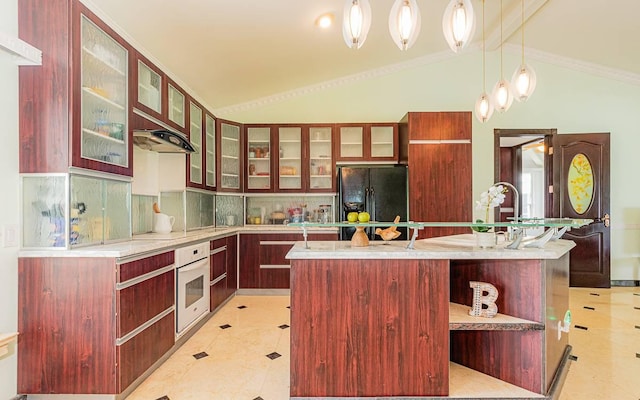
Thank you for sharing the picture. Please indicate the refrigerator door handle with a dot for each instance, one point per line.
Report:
(373, 204)
(366, 199)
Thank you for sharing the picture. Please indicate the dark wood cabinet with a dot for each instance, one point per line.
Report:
(232, 265)
(376, 142)
(295, 158)
(262, 263)
(530, 350)
(223, 276)
(195, 161)
(148, 87)
(74, 108)
(439, 156)
(229, 161)
(112, 320)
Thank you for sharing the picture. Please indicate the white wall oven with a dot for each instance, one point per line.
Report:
(192, 285)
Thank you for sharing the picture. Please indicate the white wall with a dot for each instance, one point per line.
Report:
(565, 99)
(9, 198)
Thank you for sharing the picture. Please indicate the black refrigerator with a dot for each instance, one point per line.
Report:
(381, 191)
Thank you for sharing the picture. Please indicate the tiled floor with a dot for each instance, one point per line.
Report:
(243, 351)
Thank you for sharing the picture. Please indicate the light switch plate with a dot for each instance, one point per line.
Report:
(10, 235)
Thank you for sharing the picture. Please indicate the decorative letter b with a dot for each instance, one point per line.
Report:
(479, 299)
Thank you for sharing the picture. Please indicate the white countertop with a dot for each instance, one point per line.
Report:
(155, 242)
(460, 247)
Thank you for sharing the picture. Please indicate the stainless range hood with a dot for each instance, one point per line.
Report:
(162, 141)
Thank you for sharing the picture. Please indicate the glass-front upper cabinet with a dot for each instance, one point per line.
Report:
(383, 141)
(149, 87)
(321, 164)
(290, 158)
(210, 151)
(176, 110)
(259, 158)
(195, 137)
(65, 210)
(368, 142)
(104, 100)
(230, 156)
(351, 141)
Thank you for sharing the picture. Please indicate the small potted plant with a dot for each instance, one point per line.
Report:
(493, 197)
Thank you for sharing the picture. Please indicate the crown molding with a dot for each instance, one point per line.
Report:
(334, 83)
(577, 65)
(531, 54)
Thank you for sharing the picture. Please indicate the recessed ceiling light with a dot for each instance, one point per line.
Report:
(325, 20)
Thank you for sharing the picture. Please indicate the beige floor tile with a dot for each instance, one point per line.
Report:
(237, 366)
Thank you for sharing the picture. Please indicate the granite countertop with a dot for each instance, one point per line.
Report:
(155, 242)
(461, 247)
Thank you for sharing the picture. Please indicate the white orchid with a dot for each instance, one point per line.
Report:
(493, 197)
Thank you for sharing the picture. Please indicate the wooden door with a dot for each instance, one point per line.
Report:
(581, 185)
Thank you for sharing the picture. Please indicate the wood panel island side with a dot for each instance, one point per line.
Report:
(384, 321)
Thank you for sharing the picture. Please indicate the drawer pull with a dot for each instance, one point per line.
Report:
(275, 266)
(277, 242)
(142, 278)
(218, 250)
(133, 333)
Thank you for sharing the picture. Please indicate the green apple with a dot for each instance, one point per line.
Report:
(352, 216)
(364, 216)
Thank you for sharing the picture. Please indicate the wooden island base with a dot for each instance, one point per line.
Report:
(387, 322)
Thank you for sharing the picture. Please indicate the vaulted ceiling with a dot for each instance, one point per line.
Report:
(238, 51)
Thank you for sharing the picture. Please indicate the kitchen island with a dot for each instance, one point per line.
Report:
(386, 321)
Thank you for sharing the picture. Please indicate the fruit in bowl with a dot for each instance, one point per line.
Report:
(352, 217)
(364, 216)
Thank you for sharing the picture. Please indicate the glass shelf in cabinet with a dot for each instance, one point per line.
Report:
(102, 96)
(102, 136)
(96, 58)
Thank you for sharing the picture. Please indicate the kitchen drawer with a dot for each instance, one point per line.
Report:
(139, 353)
(218, 293)
(140, 302)
(133, 269)
(218, 258)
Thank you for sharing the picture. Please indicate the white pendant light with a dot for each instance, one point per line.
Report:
(458, 24)
(484, 108)
(356, 22)
(502, 96)
(404, 23)
(523, 82)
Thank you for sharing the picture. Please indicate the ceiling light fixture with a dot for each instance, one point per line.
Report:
(325, 21)
(523, 81)
(356, 22)
(484, 108)
(458, 24)
(404, 23)
(502, 97)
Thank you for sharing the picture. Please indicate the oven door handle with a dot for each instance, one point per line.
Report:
(195, 265)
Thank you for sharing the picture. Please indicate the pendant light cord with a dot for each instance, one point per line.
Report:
(522, 31)
(501, 41)
(484, 84)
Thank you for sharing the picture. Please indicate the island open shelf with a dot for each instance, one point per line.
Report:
(385, 321)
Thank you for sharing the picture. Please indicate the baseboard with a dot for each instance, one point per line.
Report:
(625, 283)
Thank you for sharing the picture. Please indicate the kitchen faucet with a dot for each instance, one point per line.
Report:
(516, 199)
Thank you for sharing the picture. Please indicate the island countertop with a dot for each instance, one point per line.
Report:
(456, 247)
